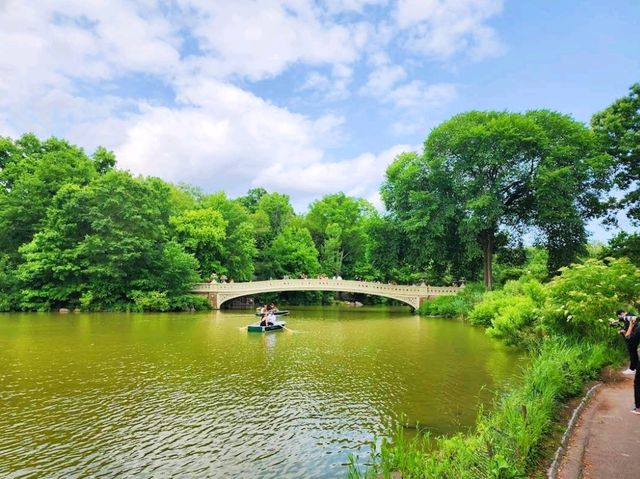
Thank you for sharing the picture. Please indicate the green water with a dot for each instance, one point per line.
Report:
(195, 395)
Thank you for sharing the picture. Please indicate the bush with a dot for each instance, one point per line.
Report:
(150, 301)
(189, 302)
(515, 323)
(452, 306)
(584, 296)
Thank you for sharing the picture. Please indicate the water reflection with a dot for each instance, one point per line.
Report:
(196, 395)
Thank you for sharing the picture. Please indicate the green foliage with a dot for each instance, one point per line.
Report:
(483, 172)
(453, 306)
(618, 129)
(272, 212)
(9, 297)
(584, 296)
(623, 245)
(530, 263)
(338, 224)
(239, 243)
(291, 253)
(32, 172)
(150, 301)
(202, 232)
(512, 313)
(101, 241)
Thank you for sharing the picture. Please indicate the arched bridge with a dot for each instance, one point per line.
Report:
(218, 293)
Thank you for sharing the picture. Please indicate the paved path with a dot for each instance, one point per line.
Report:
(606, 441)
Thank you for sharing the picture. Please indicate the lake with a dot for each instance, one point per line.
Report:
(195, 395)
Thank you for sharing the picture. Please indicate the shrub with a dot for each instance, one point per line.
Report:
(150, 301)
(188, 302)
(584, 295)
(515, 322)
(452, 306)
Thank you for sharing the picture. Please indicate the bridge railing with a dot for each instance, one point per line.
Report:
(324, 284)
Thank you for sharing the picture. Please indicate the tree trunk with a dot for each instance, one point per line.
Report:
(488, 240)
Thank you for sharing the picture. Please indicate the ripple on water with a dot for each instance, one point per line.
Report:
(193, 396)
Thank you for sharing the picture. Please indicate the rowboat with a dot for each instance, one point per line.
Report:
(277, 313)
(256, 328)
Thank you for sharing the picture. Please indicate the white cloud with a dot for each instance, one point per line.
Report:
(417, 94)
(70, 67)
(444, 28)
(382, 79)
(222, 138)
(261, 39)
(359, 176)
(339, 6)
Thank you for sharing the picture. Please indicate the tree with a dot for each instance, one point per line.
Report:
(239, 243)
(618, 128)
(272, 213)
(252, 198)
(202, 232)
(31, 174)
(623, 245)
(100, 243)
(291, 253)
(339, 222)
(486, 172)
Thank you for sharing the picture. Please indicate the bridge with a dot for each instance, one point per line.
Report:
(414, 296)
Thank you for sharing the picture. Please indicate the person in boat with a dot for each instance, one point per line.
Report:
(273, 308)
(271, 318)
(264, 312)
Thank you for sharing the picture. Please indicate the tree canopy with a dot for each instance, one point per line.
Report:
(482, 173)
(618, 128)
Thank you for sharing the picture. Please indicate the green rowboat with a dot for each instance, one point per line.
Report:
(256, 328)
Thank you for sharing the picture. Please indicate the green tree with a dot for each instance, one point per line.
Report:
(272, 213)
(340, 223)
(332, 254)
(102, 242)
(239, 243)
(291, 253)
(32, 173)
(486, 172)
(623, 245)
(618, 128)
(202, 232)
(252, 198)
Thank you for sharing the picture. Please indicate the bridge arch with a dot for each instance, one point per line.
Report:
(220, 293)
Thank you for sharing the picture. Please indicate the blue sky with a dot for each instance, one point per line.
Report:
(301, 97)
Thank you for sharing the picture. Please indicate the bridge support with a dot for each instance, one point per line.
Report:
(212, 298)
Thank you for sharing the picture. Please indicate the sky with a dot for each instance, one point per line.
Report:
(300, 97)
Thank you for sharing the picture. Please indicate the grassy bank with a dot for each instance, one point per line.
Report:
(562, 324)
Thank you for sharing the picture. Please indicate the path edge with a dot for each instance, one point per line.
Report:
(552, 472)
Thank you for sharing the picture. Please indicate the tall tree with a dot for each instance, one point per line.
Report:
(291, 253)
(239, 243)
(340, 222)
(31, 173)
(202, 232)
(486, 172)
(101, 242)
(618, 128)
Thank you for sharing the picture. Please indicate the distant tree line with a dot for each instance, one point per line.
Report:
(76, 232)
